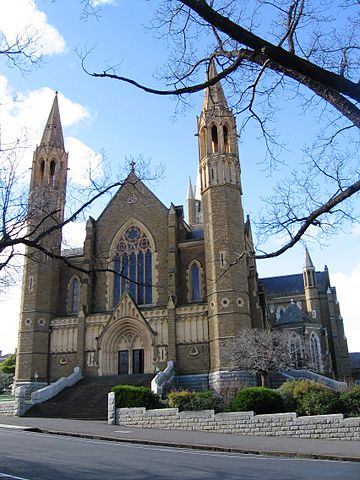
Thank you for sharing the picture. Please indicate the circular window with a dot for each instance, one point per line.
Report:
(41, 322)
(132, 198)
(225, 302)
(240, 302)
(27, 321)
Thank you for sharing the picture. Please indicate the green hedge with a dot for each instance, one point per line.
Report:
(8, 365)
(293, 390)
(257, 399)
(130, 396)
(185, 400)
(319, 403)
(350, 401)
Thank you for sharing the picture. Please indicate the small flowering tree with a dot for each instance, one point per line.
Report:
(261, 352)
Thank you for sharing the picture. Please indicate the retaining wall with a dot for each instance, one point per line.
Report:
(247, 423)
(7, 408)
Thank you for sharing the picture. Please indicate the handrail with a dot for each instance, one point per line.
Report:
(334, 385)
(163, 379)
(53, 389)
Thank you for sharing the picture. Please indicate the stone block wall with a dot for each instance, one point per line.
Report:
(334, 427)
(7, 408)
(192, 382)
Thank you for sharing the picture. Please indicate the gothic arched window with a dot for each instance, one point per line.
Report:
(194, 282)
(74, 288)
(52, 173)
(214, 139)
(296, 349)
(202, 143)
(133, 266)
(42, 170)
(315, 352)
(279, 312)
(226, 139)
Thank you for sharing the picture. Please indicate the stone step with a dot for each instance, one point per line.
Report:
(87, 399)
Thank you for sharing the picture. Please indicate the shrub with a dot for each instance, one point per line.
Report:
(206, 400)
(130, 396)
(179, 399)
(6, 380)
(350, 401)
(8, 365)
(258, 399)
(292, 391)
(321, 402)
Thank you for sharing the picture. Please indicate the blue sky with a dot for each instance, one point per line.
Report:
(101, 115)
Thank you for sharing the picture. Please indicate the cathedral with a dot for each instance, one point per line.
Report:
(162, 287)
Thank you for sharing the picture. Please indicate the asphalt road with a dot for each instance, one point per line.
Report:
(32, 456)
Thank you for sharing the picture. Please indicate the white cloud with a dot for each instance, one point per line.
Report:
(347, 287)
(97, 3)
(21, 20)
(25, 113)
(74, 234)
(84, 163)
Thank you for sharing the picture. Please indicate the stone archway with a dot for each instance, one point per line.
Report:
(127, 340)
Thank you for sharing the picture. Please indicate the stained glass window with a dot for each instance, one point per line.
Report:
(133, 266)
(195, 282)
(74, 296)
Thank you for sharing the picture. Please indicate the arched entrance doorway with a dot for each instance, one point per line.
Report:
(126, 347)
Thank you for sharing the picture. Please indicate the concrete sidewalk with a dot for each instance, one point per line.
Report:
(272, 446)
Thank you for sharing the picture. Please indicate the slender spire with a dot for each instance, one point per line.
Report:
(308, 262)
(214, 95)
(53, 134)
(190, 191)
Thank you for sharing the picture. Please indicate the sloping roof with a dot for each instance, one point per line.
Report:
(292, 284)
(195, 234)
(354, 358)
(293, 314)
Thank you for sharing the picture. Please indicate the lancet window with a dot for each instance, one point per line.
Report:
(133, 266)
(296, 349)
(74, 287)
(315, 352)
(194, 282)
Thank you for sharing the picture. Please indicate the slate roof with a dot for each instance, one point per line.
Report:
(354, 358)
(292, 284)
(293, 314)
(195, 235)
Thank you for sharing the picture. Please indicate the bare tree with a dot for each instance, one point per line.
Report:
(39, 227)
(261, 352)
(269, 52)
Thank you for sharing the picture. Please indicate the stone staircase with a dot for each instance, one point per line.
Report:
(87, 399)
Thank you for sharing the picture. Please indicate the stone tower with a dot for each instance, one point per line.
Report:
(310, 288)
(41, 271)
(225, 248)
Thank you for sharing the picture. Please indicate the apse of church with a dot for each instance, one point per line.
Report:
(164, 287)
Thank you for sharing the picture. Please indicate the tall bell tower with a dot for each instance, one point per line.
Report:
(227, 272)
(41, 271)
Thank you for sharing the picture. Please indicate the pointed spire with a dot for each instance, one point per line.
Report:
(53, 134)
(214, 95)
(308, 262)
(190, 191)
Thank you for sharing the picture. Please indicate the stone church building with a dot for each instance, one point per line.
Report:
(162, 287)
